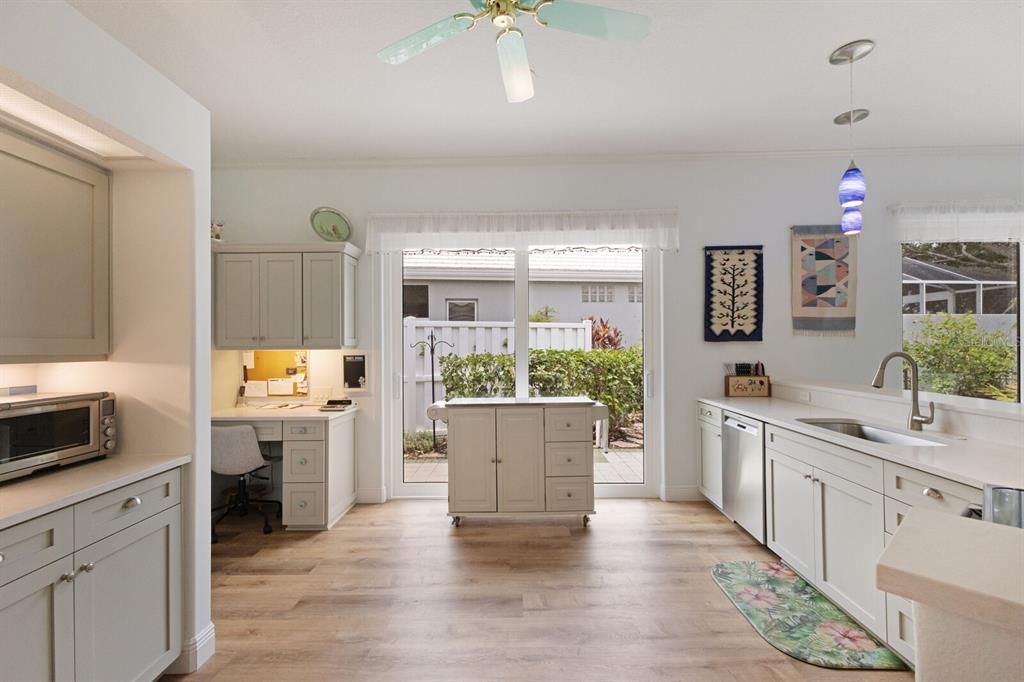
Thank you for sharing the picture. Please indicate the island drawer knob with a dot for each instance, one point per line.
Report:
(569, 494)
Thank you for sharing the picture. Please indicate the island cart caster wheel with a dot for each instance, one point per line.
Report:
(586, 520)
(456, 521)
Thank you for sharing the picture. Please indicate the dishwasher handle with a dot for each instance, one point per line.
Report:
(737, 424)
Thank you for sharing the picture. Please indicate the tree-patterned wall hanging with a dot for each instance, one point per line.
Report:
(733, 293)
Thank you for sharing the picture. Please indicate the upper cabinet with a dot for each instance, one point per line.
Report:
(280, 296)
(55, 254)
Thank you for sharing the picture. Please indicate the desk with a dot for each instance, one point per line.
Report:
(319, 459)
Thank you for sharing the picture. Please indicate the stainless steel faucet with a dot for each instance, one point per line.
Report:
(916, 418)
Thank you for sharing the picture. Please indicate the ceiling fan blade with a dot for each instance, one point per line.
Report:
(422, 40)
(591, 20)
(515, 67)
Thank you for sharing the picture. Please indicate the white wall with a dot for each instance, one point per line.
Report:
(721, 200)
(160, 359)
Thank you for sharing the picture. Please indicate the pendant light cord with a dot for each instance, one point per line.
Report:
(851, 109)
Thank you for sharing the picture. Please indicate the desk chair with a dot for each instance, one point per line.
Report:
(236, 452)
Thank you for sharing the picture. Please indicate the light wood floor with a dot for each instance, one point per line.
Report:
(395, 593)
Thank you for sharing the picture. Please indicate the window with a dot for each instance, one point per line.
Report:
(636, 293)
(415, 300)
(461, 310)
(598, 293)
(961, 317)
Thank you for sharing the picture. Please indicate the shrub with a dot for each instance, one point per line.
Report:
(545, 313)
(614, 377)
(604, 335)
(422, 442)
(957, 357)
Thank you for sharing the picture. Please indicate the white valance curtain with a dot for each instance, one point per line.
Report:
(650, 228)
(958, 222)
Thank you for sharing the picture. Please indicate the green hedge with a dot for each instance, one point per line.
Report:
(614, 377)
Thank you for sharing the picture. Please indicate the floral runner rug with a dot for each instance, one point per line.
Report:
(797, 619)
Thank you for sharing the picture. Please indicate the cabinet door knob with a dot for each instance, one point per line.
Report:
(131, 503)
(66, 577)
(303, 461)
(807, 476)
(499, 460)
(87, 567)
(568, 425)
(816, 480)
(302, 504)
(493, 460)
(568, 494)
(932, 493)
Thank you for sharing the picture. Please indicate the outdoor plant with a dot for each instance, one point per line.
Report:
(545, 313)
(614, 377)
(421, 443)
(604, 335)
(958, 357)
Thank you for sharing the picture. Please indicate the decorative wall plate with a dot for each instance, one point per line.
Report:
(330, 224)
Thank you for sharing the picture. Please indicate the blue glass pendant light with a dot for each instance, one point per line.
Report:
(852, 186)
(852, 221)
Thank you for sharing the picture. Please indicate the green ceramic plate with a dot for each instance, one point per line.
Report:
(330, 224)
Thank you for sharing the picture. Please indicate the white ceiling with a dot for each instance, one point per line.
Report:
(293, 80)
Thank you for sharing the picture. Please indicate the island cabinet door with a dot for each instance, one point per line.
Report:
(128, 601)
(521, 459)
(37, 621)
(849, 528)
(472, 460)
(789, 502)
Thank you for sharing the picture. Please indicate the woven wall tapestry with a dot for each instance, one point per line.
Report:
(733, 293)
(824, 284)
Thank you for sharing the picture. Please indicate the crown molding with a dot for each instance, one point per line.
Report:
(620, 159)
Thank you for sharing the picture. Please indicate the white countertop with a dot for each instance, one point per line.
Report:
(27, 498)
(968, 567)
(537, 401)
(972, 462)
(304, 413)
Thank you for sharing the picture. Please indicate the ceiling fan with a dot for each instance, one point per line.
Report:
(566, 15)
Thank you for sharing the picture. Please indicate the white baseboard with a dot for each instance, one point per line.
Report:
(372, 495)
(680, 493)
(194, 652)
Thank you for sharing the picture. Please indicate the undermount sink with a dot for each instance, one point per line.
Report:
(875, 434)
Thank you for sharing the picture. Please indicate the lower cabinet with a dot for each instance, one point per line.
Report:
(520, 459)
(108, 610)
(472, 460)
(710, 461)
(828, 529)
(848, 529)
(319, 471)
(37, 619)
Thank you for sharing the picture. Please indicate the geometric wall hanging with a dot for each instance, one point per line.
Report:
(824, 281)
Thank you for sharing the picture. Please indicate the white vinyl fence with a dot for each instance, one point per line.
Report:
(468, 338)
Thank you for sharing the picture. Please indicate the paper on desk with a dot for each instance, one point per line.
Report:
(255, 389)
(281, 386)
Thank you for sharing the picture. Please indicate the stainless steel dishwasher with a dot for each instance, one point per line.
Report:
(743, 473)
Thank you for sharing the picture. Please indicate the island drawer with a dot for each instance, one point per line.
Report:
(567, 424)
(575, 493)
(854, 466)
(265, 430)
(312, 429)
(709, 413)
(35, 543)
(303, 461)
(920, 489)
(106, 514)
(569, 459)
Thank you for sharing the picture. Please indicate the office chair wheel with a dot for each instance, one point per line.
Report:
(267, 529)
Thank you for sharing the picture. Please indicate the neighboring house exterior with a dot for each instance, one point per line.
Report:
(478, 287)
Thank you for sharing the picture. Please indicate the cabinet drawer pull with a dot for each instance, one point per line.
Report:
(299, 429)
(568, 494)
(569, 460)
(87, 567)
(131, 503)
(1, 557)
(568, 425)
(66, 577)
(932, 493)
